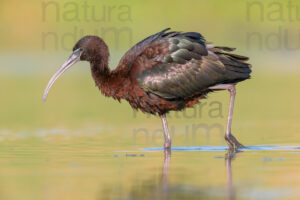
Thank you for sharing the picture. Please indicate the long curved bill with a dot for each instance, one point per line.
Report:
(74, 58)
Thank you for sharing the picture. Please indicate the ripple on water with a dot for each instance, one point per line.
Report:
(225, 148)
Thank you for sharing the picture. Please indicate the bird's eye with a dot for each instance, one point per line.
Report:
(77, 52)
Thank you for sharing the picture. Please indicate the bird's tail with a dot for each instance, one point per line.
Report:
(236, 66)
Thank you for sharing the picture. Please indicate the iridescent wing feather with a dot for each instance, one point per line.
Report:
(189, 66)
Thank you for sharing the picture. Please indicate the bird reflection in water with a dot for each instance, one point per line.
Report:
(161, 188)
(229, 157)
(165, 174)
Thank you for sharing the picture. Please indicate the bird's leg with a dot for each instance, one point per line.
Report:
(230, 139)
(166, 132)
(235, 144)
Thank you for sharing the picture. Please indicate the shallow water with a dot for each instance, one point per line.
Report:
(78, 168)
(224, 148)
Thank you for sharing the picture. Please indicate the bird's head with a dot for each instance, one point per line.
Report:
(88, 48)
(92, 48)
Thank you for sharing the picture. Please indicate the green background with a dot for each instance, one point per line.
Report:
(65, 148)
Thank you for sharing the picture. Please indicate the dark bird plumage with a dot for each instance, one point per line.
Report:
(166, 71)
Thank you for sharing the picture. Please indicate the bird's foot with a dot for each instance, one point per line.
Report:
(233, 143)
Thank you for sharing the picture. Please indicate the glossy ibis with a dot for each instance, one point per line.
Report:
(166, 71)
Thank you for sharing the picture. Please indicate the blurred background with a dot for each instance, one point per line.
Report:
(37, 36)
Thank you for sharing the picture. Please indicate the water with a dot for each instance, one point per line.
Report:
(224, 148)
(78, 168)
(263, 164)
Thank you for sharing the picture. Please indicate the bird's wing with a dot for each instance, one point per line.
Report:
(130, 56)
(188, 66)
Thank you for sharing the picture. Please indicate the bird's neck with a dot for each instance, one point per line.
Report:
(110, 83)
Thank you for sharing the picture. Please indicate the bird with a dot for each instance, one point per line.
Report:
(167, 71)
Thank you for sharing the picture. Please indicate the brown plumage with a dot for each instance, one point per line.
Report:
(166, 71)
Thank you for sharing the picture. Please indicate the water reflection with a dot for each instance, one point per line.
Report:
(160, 187)
(165, 173)
(163, 189)
(229, 157)
(179, 180)
(167, 189)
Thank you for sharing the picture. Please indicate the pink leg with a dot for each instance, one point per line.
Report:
(230, 139)
(166, 132)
